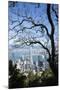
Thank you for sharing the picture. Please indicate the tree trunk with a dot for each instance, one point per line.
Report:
(51, 60)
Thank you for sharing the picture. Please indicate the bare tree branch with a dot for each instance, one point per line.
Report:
(50, 18)
(42, 26)
(56, 13)
(35, 42)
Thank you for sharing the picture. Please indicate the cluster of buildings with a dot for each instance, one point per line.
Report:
(31, 60)
(26, 65)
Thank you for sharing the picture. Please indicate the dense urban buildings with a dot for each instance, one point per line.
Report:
(31, 59)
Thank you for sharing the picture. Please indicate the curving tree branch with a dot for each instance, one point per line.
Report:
(55, 11)
(35, 42)
(50, 19)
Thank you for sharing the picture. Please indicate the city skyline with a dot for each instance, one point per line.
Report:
(32, 44)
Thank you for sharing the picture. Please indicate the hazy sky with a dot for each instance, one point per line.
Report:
(38, 13)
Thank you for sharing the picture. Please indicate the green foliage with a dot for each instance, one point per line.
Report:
(10, 67)
(20, 80)
(48, 78)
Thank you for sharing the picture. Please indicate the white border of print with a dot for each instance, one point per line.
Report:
(4, 43)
